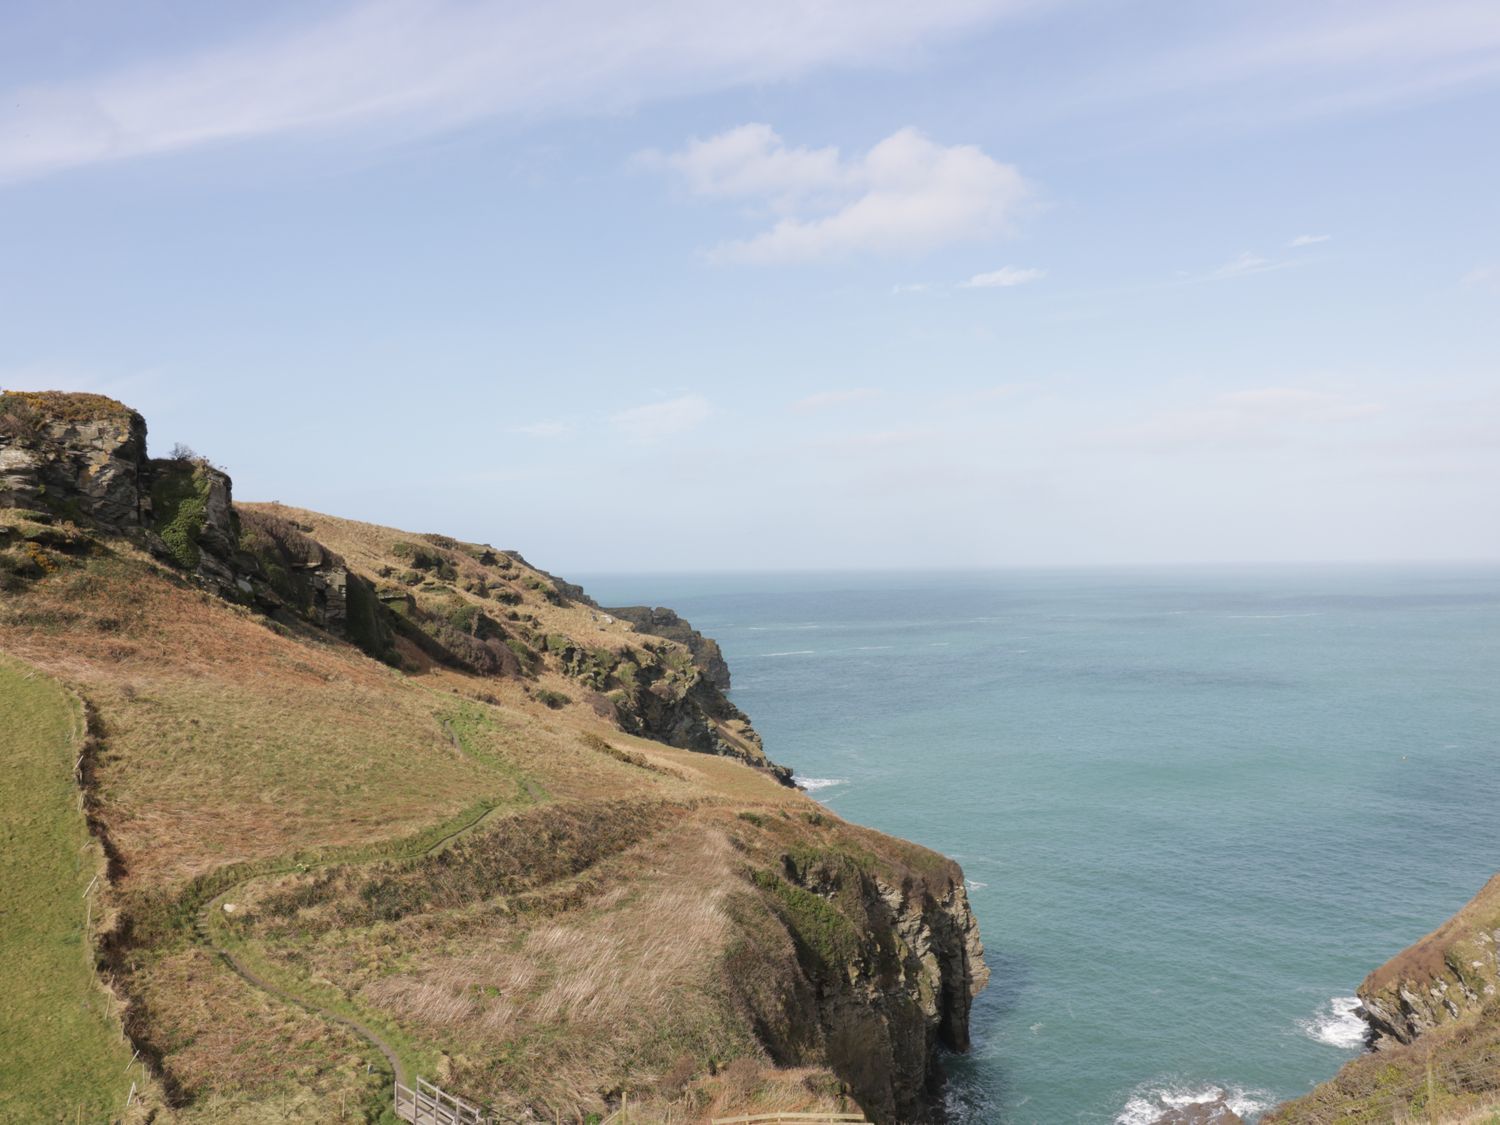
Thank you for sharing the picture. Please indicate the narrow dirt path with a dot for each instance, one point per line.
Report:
(364, 1031)
(203, 928)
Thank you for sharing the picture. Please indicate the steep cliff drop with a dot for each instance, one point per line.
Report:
(354, 777)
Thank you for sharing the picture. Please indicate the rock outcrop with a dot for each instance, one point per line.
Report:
(1434, 1011)
(1449, 975)
(80, 457)
(887, 969)
(660, 622)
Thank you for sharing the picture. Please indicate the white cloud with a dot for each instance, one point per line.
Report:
(410, 67)
(912, 287)
(1481, 277)
(658, 420)
(906, 195)
(752, 162)
(1309, 240)
(1002, 278)
(824, 399)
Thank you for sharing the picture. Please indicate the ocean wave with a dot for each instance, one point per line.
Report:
(813, 784)
(793, 652)
(1337, 1024)
(1149, 1102)
(974, 884)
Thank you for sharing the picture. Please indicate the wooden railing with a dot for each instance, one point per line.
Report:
(428, 1105)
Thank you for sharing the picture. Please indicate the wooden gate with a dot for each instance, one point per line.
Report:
(428, 1105)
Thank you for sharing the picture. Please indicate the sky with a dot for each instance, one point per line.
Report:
(691, 284)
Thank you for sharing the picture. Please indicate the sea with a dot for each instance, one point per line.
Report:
(1194, 807)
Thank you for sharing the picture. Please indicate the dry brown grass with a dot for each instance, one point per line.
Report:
(547, 987)
(228, 1040)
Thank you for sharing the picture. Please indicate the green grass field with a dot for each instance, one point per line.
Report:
(62, 1058)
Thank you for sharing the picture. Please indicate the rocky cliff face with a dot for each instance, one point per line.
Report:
(1434, 1011)
(662, 622)
(886, 964)
(75, 456)
(82, 459)
(1447, 976)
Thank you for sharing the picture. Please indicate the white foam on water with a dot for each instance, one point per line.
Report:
(1337, 1024)
(793, 652)
(974, 884)
(1147, 1104)
(873, 648)
(813, 784)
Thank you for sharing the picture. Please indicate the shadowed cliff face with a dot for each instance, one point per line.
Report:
(884, 966)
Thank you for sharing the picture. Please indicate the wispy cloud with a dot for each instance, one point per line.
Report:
(1003, 278)
(1243, 266)
(1481, 277)
(1312, 59)
(411, 67)
(906, 195)
(657, 420)
(825, 399)
(1308, 240)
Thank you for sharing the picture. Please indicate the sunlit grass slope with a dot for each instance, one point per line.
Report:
(62, 1056)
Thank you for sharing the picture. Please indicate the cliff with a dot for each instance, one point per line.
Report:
(1434, 1016)
(378, 801)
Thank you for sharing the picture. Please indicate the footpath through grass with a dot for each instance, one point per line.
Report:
(62, 1058)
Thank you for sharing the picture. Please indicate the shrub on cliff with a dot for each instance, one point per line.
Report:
(179, 506)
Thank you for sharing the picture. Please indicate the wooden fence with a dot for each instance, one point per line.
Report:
(428, 1105)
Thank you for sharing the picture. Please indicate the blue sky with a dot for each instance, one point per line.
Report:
(692, 284)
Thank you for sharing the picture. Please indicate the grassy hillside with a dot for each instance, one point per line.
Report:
(326, 862)
(380, 804)
(62, 1055)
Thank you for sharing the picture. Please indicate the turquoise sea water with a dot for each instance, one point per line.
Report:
(1195, 807)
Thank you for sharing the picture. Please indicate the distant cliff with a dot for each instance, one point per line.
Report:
(379, 798)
